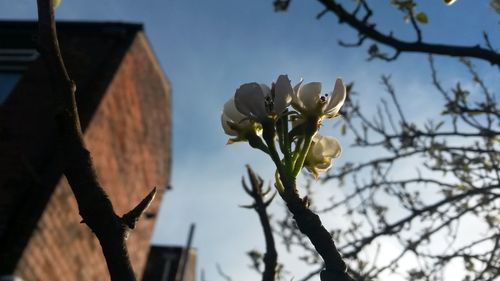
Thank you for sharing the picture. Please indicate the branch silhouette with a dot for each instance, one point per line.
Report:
(368, 30)
(94, 204)
(260, 206)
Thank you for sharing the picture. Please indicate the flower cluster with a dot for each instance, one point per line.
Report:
(286, 117)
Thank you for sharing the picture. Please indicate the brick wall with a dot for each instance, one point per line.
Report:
(129, 137)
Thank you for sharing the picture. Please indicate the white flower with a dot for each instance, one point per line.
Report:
(307, 99)
(258, 102)
(234, 123)
(319, 158)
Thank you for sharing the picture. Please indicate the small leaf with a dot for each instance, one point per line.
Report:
(422, 17)
(343, 129)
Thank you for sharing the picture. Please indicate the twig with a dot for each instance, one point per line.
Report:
(222, 273)
(260, 206)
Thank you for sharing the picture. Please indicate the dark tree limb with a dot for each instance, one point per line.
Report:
(94, 205)
(310, 224)
(260, 205)
(400, 46)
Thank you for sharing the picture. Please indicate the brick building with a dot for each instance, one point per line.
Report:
(124, 105)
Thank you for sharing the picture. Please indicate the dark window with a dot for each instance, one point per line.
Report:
(8, 81)
(13, 62)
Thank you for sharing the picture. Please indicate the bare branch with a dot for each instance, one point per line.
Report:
(400, 46)
(260, 205)
(93, 203)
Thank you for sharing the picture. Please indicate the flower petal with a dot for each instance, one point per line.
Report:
(231, 112)
(266, 91)
(337, 98)
(227, 129)
(297, 86)
(283, 94)
(314, 171)
(323, 166)
(329, 146)
(249, 99)
(296, 103)
(322, 151)
(309, 95)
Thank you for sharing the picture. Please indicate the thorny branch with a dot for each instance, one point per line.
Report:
(93, 203)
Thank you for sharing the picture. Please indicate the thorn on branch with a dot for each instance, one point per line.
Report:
(131, 218)
(251, 206)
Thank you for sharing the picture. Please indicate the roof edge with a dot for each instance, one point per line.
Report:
(75, 24)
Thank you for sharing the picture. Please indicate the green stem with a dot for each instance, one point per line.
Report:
(296, 153)
(302, 155)
(269, 132)
(276, 159)
(286, 143)
(281, 132)
(279, 185)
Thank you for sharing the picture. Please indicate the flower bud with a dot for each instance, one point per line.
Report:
(320, 155)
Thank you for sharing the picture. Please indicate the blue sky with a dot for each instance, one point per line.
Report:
(208, 48)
